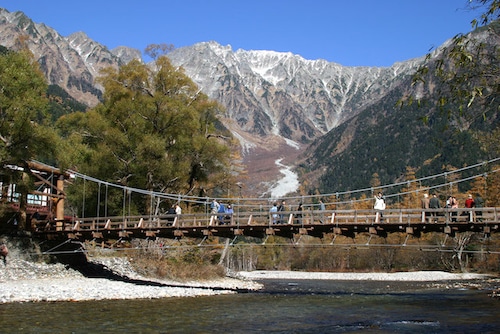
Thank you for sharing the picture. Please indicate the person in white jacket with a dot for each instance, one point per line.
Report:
(379, 207)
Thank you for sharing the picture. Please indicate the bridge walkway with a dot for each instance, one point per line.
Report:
(264, 224)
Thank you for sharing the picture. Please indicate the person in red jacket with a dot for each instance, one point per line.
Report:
(469, 203)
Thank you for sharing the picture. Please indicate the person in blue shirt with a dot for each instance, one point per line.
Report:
(229, 214)
(221, 212)
(274, 214)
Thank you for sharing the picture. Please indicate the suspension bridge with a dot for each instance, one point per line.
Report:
(251, 217)
(289, 224)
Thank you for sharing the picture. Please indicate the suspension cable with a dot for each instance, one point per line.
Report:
(203, 200)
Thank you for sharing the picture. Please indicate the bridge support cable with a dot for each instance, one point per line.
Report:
(98, 202)
(420, 181)
(151, 205)
(443, 244)
(124, 214)
(224, 252)
(116, 242)
(234, 240)
(296, 243)
(333, 239)
(56, 247)
(406, 240)
(52, 250)
(83, 197)
(202, 240)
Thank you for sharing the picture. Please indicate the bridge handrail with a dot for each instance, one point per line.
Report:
(303, 218)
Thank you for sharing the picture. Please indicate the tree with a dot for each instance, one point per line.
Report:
(155, 131)
(24, 134)
(466, 73)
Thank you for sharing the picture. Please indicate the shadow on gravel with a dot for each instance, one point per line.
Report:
(97, 270)
(73, 256)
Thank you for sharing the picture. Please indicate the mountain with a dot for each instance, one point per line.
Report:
(71, 62)
(386, 138)
(271, 93)
(337, 124)
(279, 103)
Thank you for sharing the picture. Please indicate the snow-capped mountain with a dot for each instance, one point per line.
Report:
(267, 92)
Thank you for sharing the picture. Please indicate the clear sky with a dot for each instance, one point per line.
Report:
(348, 32)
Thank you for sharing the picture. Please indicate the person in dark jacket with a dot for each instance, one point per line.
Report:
(434, 204)
(479, 202)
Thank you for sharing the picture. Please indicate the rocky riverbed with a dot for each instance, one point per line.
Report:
(24, 281)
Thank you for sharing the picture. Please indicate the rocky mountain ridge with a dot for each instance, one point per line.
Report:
(273, 93)
(264, 92)
(71, 62)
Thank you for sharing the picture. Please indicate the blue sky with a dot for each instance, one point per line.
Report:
(351, 33)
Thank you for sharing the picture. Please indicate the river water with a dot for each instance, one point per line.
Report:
(286, 306)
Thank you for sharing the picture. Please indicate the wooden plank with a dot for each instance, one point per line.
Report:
(97, 235)
(124, 234)
(270, 231)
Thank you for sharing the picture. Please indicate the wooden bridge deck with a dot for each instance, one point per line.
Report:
(286, 224)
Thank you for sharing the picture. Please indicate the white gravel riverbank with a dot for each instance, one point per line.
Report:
(23, 281)
(419, 276)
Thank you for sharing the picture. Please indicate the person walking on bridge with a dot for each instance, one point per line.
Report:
(479, 203)
(425, 205)
(322, 208)
(178, 209)
(214, 207)
(274, 215)
(469, 204)
(434, 204)
(452, 203)
(379, 207)
(281, 208)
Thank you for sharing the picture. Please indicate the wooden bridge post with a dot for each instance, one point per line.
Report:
(60, 204)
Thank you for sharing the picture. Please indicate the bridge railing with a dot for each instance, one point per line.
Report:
(263, 218)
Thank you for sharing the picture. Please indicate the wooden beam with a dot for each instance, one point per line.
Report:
(46, 168)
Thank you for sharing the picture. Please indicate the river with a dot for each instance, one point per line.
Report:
(284, 306)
